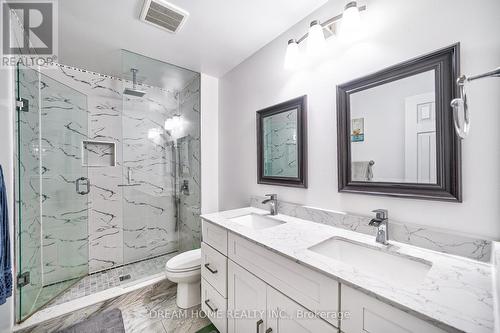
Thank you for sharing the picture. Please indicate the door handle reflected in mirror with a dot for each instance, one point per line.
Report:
(269, 330)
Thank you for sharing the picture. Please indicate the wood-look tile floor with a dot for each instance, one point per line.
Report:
(160, 314)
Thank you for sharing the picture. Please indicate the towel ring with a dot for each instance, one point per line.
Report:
(460, 105)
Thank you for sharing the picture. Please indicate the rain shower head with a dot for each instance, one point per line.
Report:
(134, 92)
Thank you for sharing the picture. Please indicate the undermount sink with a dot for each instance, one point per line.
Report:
(391, 268)
(256, 221)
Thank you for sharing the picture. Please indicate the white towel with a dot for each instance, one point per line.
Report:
(361, 171)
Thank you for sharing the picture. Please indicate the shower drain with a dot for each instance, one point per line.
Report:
(124, 277)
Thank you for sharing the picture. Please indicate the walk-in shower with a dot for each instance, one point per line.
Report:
(107, 181)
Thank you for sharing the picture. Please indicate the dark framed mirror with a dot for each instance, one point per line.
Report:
(282, 144)
(395, 130)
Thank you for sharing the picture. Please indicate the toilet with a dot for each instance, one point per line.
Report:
(185, 270)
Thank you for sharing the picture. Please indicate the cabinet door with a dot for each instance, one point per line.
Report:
(246, 301)
(369, 315)
(286, 316)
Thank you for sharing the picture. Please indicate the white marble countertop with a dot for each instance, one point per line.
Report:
(456, 295)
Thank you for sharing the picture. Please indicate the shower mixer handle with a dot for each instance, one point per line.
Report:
(79, 181)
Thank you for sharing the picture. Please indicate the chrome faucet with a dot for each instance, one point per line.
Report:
(381, 222)
(273, 201)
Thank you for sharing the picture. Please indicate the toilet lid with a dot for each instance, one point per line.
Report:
(185, 261)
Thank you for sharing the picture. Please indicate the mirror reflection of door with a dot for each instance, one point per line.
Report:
(420, 139)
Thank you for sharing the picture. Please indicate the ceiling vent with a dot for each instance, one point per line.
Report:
(164, 15)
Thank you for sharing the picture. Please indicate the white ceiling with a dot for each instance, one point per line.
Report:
(218, 35)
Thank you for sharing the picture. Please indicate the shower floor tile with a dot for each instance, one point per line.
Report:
(108, 279)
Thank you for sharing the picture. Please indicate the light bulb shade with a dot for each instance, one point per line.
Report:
(315, 39)
(292, 55)
(351, 20)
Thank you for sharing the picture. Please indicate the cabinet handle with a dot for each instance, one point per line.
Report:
(213, 271)
(211, 309)
(269, 330)
(260, 322)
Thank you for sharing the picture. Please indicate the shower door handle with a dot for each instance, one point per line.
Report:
(80, 181)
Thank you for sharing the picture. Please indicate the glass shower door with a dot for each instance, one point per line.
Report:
(51, 189)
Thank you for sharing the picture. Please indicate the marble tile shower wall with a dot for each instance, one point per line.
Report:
(189, 167)
(127, 223)
(149, 205)
(63, 124)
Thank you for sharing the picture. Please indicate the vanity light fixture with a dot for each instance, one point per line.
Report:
(351, 19)
(316, 40)
(319, 32)
(292, 57)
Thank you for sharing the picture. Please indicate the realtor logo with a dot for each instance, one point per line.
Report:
(29, 29)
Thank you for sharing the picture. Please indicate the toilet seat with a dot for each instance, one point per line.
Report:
(185, 262)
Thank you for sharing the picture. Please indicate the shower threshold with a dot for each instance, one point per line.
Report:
(98, 287)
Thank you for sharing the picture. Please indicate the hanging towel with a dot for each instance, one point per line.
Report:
(5, 266)
(362, 171)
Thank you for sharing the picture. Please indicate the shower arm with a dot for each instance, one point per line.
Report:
(460, 103)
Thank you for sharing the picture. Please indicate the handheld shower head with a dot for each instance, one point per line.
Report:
(134, 92)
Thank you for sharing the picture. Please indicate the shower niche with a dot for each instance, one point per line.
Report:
(98, 153)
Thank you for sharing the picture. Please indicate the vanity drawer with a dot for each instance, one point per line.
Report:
(369, 315)
(214, 236)
(307, 287)
(214, 268)
(214, 305)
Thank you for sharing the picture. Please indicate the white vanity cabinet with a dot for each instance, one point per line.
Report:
(251, 282)
(256, 307)
(285, 316)
(265, 292)
(369, 315)
(214, 275)
(246, 301)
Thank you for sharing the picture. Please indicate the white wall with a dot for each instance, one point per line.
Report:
(396, 30)
(209, 144)
(6, 160)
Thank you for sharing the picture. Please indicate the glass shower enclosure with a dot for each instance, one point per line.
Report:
(107, 174)
(51, 186)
